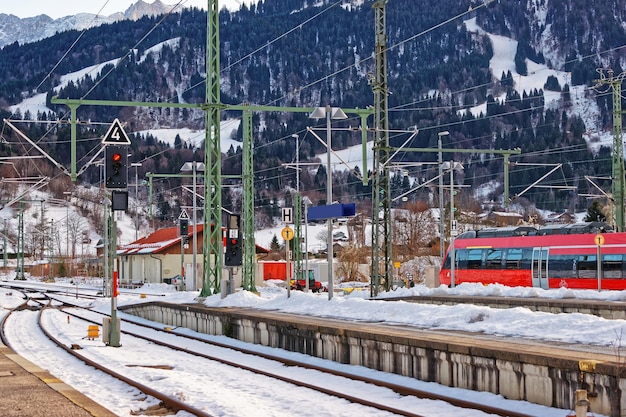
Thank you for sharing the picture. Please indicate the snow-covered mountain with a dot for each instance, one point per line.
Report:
(31, 29)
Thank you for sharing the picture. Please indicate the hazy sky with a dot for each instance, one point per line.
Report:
(60, 8)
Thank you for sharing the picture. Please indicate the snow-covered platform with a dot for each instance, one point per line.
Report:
(539, 372)
(29, 391)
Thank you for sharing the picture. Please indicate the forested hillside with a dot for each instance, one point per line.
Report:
(293, 53)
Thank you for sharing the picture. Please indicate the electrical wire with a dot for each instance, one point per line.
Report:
(330, 75)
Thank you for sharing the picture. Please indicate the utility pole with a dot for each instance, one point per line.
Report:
(441, 220)
(136, 165)
(618, 147)
(297, 203)
(20, 243)
(5, 255)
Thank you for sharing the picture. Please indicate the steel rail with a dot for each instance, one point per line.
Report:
(169, 402)
(399, 389)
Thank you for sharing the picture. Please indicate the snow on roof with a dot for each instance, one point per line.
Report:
(156, 242)
(506, 214)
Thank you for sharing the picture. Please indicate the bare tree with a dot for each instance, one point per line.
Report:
(349, 259)
(322, 236)
(356, 230)
(75, 227)
(414, 227)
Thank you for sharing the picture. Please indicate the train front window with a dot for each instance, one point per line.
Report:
(460, 258)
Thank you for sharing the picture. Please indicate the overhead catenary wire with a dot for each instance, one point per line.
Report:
(137, 44)
(80, 35)
(408, 39)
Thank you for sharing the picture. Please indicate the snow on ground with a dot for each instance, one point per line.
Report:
(357, 305)
(516, 322)
(33, 105)
(195, 137)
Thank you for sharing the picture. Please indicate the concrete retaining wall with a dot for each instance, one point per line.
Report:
(543, 376)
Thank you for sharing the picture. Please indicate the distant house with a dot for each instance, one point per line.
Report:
(560, 218)
(503, 218)
(340, 237)
(158, 257)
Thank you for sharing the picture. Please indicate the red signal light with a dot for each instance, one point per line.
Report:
(116, 170)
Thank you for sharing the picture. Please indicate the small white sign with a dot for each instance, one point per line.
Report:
(288, 215)
(116, 135)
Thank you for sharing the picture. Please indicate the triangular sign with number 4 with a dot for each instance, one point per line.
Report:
(116, 135)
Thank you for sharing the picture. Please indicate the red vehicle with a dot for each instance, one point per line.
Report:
(300, 283)
(548, 257)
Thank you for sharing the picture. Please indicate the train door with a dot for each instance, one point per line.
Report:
(540, 267)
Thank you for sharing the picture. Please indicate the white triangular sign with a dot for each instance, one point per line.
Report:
(116, 135)
(183, 215)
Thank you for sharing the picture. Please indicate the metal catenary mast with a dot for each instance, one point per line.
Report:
(618, 147)
(212, 236)
(381, 270)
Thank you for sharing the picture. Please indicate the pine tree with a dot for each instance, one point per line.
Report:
(594, 212)
(274, 245)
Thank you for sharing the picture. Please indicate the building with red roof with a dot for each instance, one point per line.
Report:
(164, 257)
(161, 257)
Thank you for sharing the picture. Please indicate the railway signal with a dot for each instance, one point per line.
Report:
(183, 223)
(116, 166)
(234, 246)
(184, 227)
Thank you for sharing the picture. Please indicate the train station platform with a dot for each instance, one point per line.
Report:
(546, 373)
(29, 391)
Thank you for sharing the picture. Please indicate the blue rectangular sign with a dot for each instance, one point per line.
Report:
(331, 211)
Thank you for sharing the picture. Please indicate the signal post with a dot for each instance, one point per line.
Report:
(116, 143)
(233, 255)
(183, 231)
(287, 233)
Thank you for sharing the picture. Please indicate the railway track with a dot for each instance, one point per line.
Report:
(158, 336)
(66, 289)
(320, 381)
(148, 401)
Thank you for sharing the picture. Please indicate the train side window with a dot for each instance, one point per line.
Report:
(587, 266)
(494, 259)
(563, 266)
(475, 259)
(612, 266)
(527, 258)
(514, 258)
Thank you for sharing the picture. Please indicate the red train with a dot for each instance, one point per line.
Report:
(547, 257)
